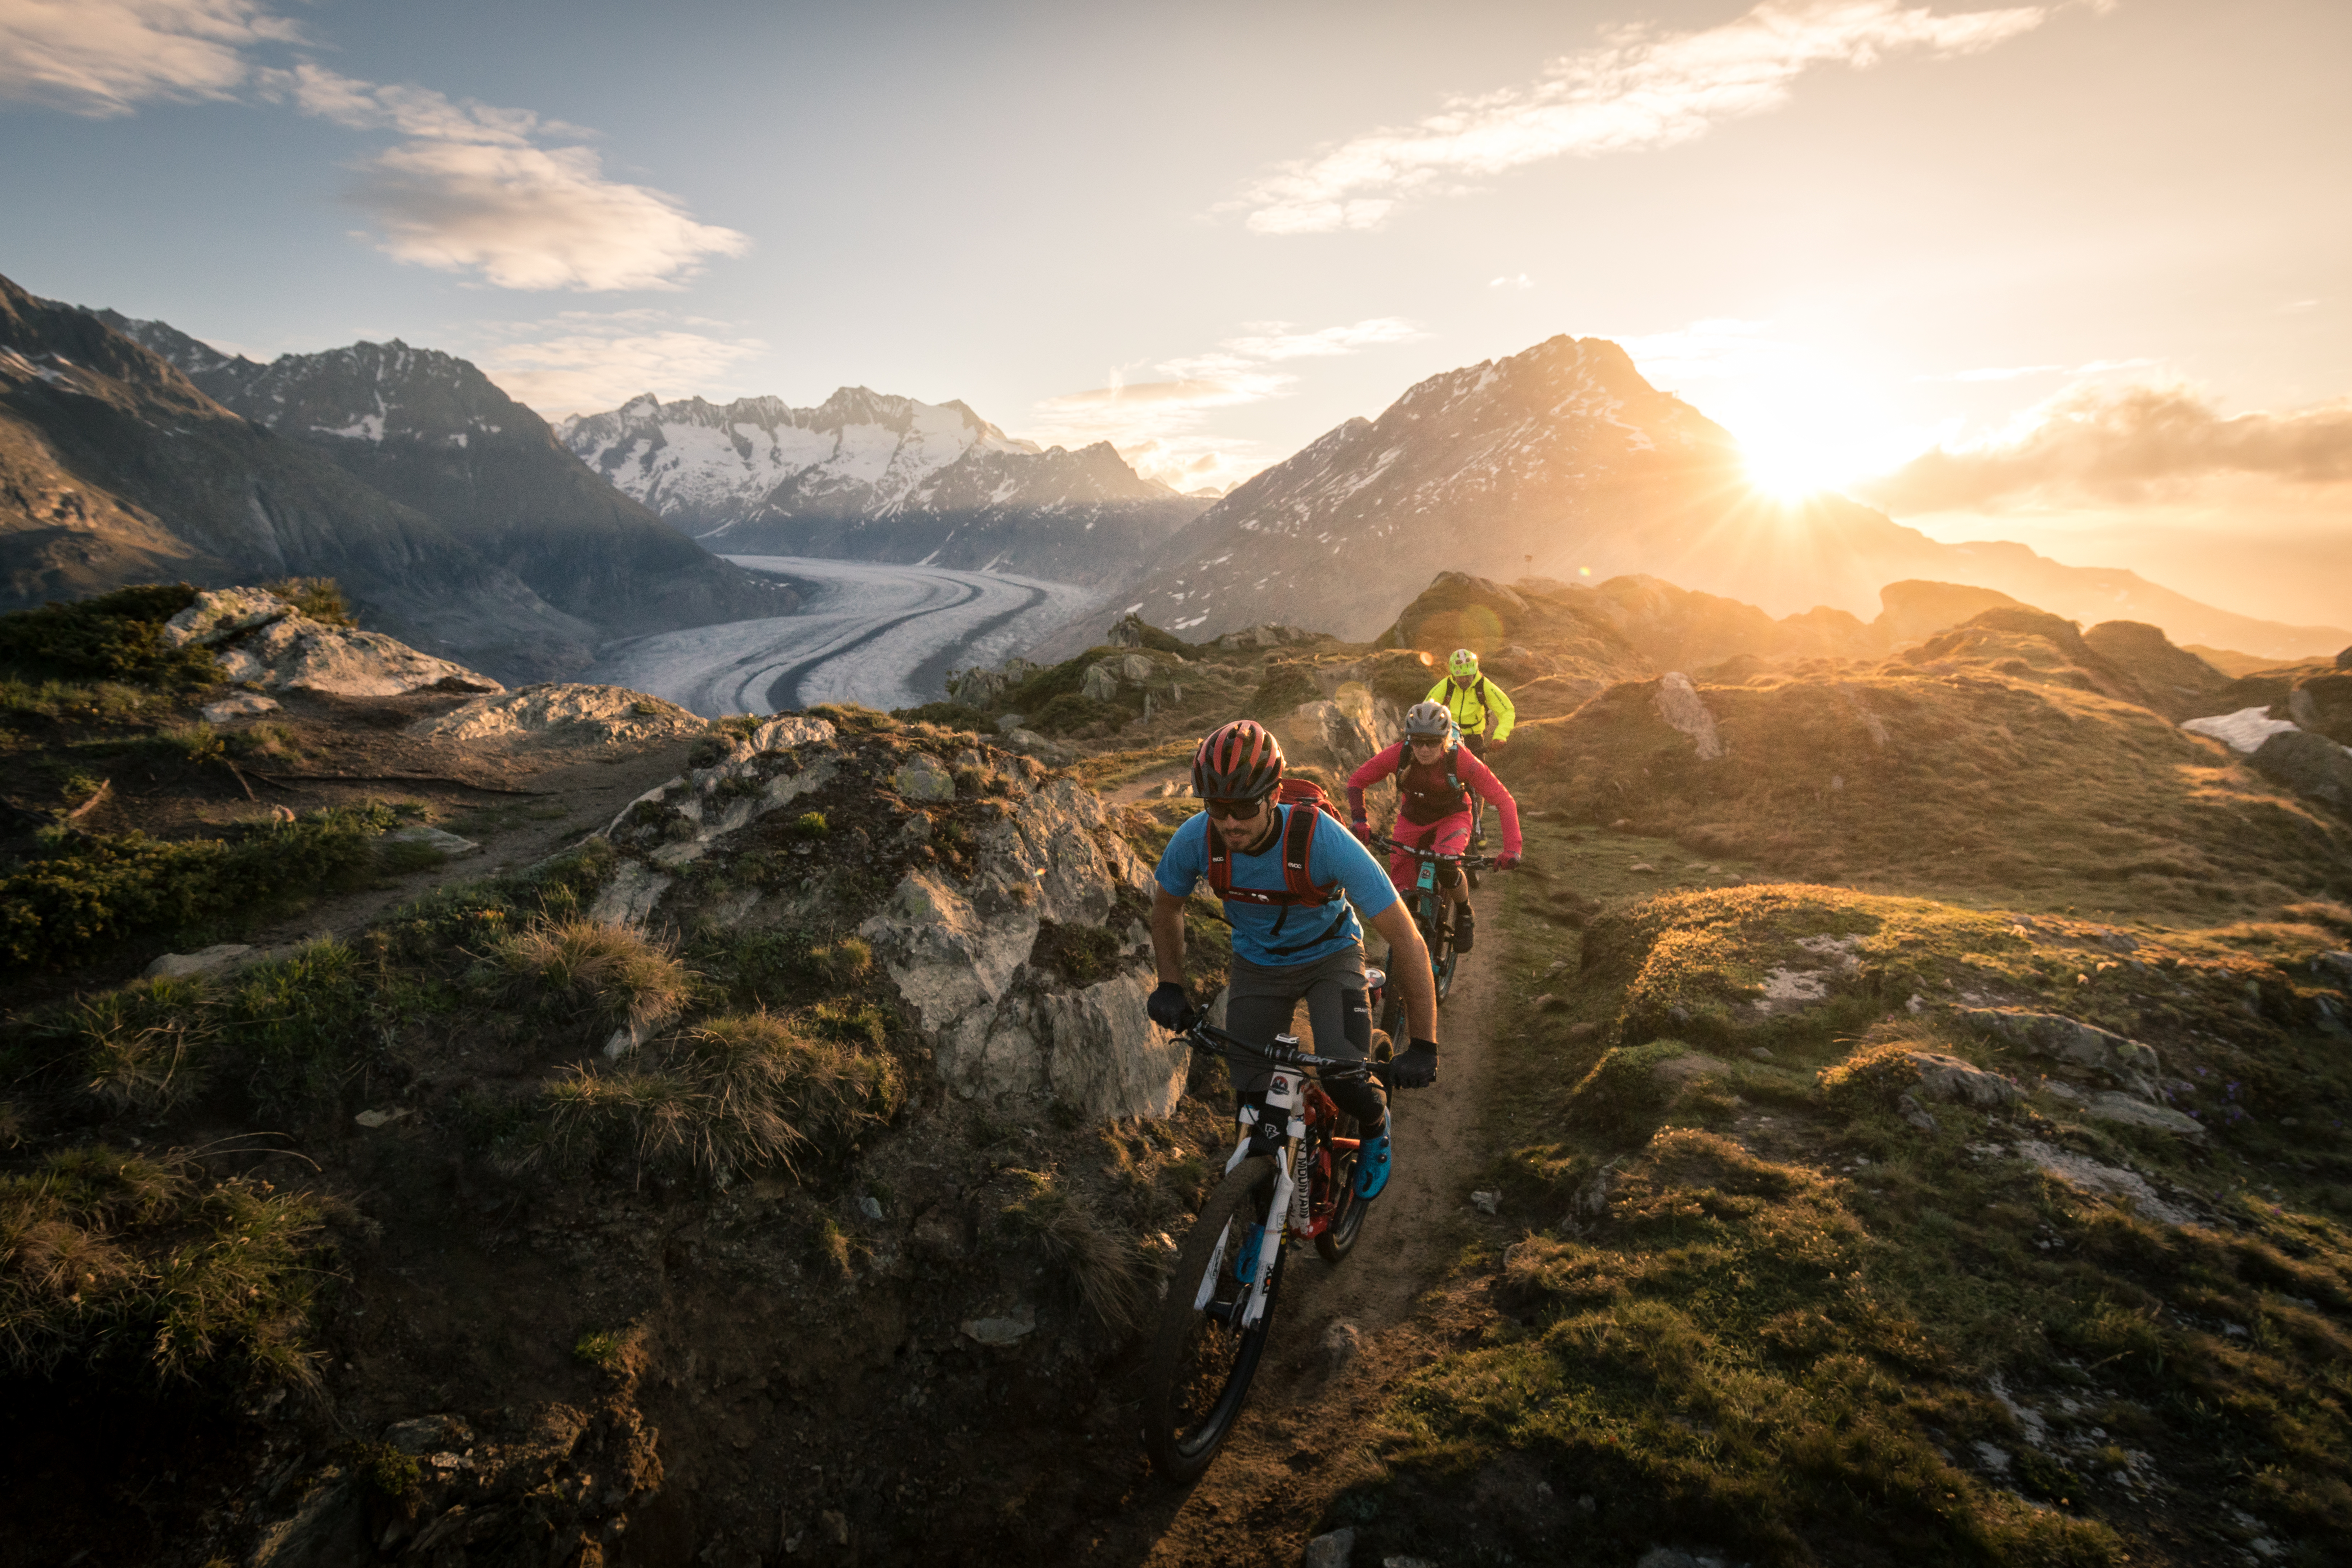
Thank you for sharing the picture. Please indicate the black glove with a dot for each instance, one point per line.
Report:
(1417, 1068)
(1170, 1007)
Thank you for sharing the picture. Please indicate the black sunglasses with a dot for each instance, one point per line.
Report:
(1238, 810)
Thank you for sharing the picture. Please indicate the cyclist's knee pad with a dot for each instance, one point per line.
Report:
(1448, 877)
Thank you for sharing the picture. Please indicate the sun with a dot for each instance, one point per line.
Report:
(1788, 472)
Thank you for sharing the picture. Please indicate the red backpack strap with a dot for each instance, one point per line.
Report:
(1298, 845)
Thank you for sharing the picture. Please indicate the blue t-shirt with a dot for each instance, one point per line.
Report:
(1311, 932)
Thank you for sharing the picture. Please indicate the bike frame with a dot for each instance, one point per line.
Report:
(1295, 1121)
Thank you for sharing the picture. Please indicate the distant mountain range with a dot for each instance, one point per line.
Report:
(431, 432)
(866, 475)
(1564, 462)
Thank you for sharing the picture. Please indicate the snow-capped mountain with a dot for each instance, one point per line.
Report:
(705, 466)
(870, 477)
(1563, 462)
(430, 431)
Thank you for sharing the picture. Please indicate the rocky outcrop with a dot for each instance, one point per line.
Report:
(1679, 705)
(2308, 764)
(957, 950)
(558, 716)
(2127, 1063)
(954, 867)
(266, 643)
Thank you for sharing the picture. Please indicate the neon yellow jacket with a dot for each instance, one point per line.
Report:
(1472, 705)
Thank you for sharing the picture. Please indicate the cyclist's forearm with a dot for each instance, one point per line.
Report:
(1409, 970)
(1168, 936)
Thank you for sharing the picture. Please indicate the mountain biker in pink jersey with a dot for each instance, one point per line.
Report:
(1435, 777)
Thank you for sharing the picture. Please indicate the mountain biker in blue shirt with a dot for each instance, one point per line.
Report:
(1294, 936)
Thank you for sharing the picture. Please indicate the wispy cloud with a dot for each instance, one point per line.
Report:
(105, 57)
(528, 217)
(1159, 427)
(1506, 281)
(2138, 444)
(2019, 372)
(584, 362)
(473, 188)
(1637, 90)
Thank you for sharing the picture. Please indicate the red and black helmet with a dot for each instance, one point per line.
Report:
(1240, 760)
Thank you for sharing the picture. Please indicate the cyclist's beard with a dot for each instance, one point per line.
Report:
(1265, 836)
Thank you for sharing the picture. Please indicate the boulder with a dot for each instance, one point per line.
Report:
(244, 705)
(2323, 704)
(2133, 1111)
(220, 614)
(2126, 1063)
(295, 653)
(203, 960)
(923, 779)
(955, 938)
(1679, 705)
(558, 716)
(1956, 1082)
(1101, 684)
(2308, 764)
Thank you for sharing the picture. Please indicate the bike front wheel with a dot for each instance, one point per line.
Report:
(1201, 1359)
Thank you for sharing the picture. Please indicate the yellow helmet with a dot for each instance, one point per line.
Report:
(1464, 664)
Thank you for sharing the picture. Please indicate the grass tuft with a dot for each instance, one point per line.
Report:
(1100, 1264)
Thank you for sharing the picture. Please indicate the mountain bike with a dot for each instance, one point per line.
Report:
(1291, 1177)
(1432, 915)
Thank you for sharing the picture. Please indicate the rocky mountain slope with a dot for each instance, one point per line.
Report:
(116, 468)
(1564, 462)
(431, 432)
(868, 477)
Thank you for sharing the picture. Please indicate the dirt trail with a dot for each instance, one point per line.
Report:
(1309, 1431)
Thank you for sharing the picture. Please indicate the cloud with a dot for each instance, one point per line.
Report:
(1639, 90)
(105, 57)
(472, 188)
(2017, 372)
(409, 110)
(583, 361)
(1159, 426)
(527, 218)
(1506, 281)
(2142, 443)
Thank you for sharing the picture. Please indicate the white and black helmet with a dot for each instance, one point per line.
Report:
(1428, 718)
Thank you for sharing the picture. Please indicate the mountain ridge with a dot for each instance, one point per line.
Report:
(120, 469)
(430, 430)
(878, 476)
(1564, 461)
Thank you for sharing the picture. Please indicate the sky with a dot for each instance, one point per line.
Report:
(2078, 274)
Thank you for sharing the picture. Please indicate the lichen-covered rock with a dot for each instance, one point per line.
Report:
(220, 614)
(2128, 1064)
(1679, 705)
(560, 715)
(924, 779)
(951, 888)
(244, 705)
(2133, 1111)
(295, 653)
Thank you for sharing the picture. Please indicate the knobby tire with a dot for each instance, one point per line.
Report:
(1199, 1368)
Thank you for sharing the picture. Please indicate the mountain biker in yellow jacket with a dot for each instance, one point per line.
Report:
(1474, 700)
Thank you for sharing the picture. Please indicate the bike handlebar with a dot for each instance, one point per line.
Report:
(1201, 1035)
(1468, 862)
